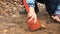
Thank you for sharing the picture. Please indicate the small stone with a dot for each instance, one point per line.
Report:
(14, 16)
(5, 31)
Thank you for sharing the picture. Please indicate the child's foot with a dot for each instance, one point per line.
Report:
(56, 15)
(56, 18)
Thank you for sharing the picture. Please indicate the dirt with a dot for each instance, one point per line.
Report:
(11, 22)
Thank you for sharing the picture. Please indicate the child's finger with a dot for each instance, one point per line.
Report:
(30, 19)
(35, 19)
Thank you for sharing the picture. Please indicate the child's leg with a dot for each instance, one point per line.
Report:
(51, 6)
(57, 11)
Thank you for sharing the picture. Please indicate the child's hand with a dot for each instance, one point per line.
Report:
(32, 14)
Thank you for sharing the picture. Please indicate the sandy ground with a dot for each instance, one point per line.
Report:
(17, 24)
